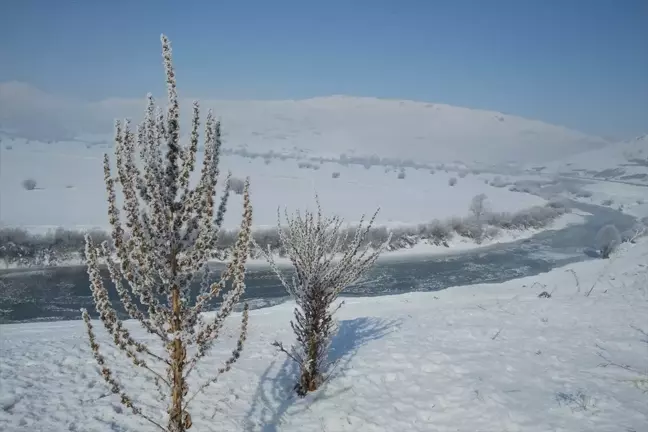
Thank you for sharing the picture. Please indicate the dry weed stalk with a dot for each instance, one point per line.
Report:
(166, 236)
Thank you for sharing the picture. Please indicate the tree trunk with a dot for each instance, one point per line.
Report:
(310, 374)
(178, 422)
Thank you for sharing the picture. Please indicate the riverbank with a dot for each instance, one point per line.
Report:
(491, 357)
(58, 293)
(20, 248)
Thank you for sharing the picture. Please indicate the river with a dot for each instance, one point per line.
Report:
(58, 293)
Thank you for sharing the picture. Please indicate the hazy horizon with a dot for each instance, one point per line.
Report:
(581, 65)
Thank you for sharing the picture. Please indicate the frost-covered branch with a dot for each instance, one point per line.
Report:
(163, 236)
(324, 264)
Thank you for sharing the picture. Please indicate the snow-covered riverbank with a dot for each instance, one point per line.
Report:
(483, 357)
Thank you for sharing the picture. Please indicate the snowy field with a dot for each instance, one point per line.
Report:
(628, 198)
(475, 358)
(70, 192)
(625, 161)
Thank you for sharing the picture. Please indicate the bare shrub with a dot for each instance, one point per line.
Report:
(578, 401)
(29, 184)
(165, 237)
(631, 235)
(467, 227)
(534, 217)
(452, 181)
(237, 185)
(377, 236)
(499, 182)
(607, 240)
(491, 232)
(325, 263)
(335, 175)
(308, 165)
(578, 191)
(479, 206)
(22, 248)
(438, 232)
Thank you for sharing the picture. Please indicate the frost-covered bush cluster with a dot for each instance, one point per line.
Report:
(401, 175)
(607, 240)
(577, 191)
(374, 160)
(237, 185)
(479, 206)
(314, 243)
(336, 174)
(366, 161)
(638, 230)
(534, 217)
(528, 186)
(22, 248)
(308, 165)
(437, 232)
(452, 181)
(29, 184)
(499, 182)
(467, 227)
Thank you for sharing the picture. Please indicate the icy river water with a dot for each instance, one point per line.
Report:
(58, 293)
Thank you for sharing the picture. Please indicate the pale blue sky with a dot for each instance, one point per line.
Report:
(578, 63)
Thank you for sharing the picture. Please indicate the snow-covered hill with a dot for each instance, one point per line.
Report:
(398, 129)
(626, 161)
(332, 126)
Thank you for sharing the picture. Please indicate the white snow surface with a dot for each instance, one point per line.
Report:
(323, 125)
(630, 199)
(70, 190)
(473, 358)
(616, 162)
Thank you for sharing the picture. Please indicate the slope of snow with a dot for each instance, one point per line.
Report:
(71, 192)
(630, 199)
(400, 129)
(476, 358)
(625, 161)
(323, 125)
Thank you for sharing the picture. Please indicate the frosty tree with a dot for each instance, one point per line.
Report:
(479, 206)
(607, 240)
(162, 243)
(326, 260)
